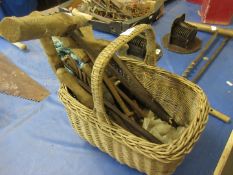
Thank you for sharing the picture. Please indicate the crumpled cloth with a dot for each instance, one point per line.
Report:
(161, 129)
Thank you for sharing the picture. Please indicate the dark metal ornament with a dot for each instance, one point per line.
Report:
(174, 48)
(182, 38)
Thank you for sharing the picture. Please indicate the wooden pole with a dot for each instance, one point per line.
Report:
(212, 29)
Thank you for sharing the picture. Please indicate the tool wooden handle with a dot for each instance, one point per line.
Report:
(37, 26)
(219, 115)
(212, 29)
(131, 82)
(123, 120)
(71, 82)
(190, 67)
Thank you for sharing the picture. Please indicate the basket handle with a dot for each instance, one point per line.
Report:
(105, 56)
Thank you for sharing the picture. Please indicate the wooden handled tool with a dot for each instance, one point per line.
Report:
(80, 93)
(209, 62)
(37, 26)
(81, 88)
(121, 118)
(212, 29)
(192, 65)
(93, 48)
(219, 115)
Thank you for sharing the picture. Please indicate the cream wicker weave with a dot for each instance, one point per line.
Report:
(182, 99)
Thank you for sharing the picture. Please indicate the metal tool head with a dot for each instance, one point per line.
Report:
(137, 47)
(182, 38)
(15, 82)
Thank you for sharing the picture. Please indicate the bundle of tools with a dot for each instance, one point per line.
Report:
(116, 16)
(125, 97)
(119, 104)
(117, 9)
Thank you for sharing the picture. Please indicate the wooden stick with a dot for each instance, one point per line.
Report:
(219, 115)
(53, 58)
(84, 73)
(31, 27)
(98, 46)
(209, 62)
(118, 98)
(71, 82)
(132, 104)
(212, 29)
(139, 91)
(193, 64)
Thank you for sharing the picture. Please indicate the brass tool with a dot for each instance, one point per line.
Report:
(14, 81)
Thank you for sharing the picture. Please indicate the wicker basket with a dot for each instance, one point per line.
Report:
(183, 100)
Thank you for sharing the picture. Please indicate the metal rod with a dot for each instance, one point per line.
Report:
(118, 98)
(132, 104)
(121, 71)
(212, 58)
(200, 55)
(131, 125)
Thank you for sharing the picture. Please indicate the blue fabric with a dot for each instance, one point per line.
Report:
(2, 15)
(37, 138)
(18, 7)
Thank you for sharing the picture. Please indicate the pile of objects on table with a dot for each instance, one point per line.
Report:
(156, 113)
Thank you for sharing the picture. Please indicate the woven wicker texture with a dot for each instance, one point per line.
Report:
(182, 99)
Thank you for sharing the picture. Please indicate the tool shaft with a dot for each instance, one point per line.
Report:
(219, 115)
(212, 29)
(37, 26)
(215, 54)
(200, 55)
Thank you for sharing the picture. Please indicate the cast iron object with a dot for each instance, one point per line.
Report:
(137, 47)
(182, 38)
